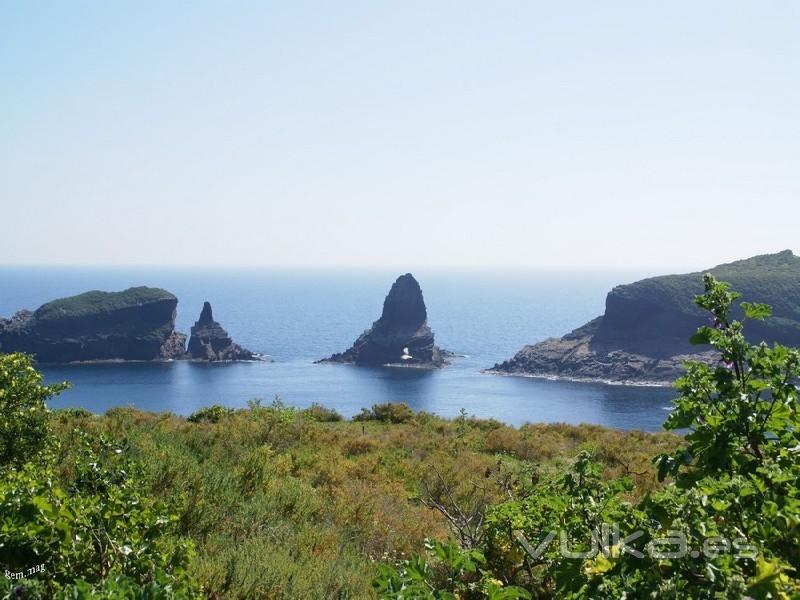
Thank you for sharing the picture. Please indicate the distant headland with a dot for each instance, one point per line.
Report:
(642, 338)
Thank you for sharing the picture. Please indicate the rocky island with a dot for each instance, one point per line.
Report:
(400, 337)
(209, 341)
(642, 338)
(137, 324)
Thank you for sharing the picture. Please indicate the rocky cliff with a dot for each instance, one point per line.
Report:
(209, 341)
(135, 324)
(401, 335)
(643, 335)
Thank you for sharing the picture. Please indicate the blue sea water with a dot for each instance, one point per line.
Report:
(298, 316)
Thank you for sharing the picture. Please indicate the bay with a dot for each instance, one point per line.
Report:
(299, 316)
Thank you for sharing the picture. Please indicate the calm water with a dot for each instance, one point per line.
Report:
(297, 317)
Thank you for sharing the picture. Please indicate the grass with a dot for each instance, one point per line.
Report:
(298, 504)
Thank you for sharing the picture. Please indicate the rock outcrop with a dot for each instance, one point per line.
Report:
(135, 324)
(174, 347)
(401, 337)
(209, 341)
(643, 335)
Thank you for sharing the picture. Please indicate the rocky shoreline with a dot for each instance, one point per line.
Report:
(576, 379)
(643, 336)
(257, 358)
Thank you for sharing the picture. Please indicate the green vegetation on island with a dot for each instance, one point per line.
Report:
(659, 310)
(135, 324)
(93, 303)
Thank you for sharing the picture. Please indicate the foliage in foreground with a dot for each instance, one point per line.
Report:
(272, 501)
(96, 531)
(277, 502)
(24, 424)
(727, 525)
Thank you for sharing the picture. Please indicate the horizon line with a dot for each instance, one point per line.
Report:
(340, 267)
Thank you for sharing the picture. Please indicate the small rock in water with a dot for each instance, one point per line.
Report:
(209, 341)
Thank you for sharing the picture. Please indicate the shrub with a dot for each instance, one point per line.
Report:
(276, 412)
(390, 412)
(210, 414)
(485, 424)
(103, 525)
(66, 414)
(24, 426)
(359, 445)
(505, 440)
(444, 567)
(98, 530)
(321, 414)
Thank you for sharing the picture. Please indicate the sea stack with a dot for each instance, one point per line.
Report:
(643, 337)
(134, 324)
(209, 341)
(401, 337)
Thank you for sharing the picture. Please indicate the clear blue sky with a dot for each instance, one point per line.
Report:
(528, 134)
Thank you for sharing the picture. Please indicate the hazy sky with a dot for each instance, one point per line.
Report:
(399, 133)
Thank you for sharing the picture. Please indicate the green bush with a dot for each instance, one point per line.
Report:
(390, 412)
(24, 425)
(210, 414)
(276, 412)
(445, 566)
(102, 525)
(77, 517)
(321, 414)
(65, 414)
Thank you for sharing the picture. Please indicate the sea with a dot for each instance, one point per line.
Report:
(298, 316)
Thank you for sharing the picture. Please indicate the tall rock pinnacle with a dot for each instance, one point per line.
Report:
(206, 317)
(404, 306)
(401, 336)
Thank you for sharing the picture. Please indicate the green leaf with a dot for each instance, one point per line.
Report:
(599, 565)
(702, 336)
(756, 310)
(766, 583)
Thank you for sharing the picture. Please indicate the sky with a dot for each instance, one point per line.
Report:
(455, 134)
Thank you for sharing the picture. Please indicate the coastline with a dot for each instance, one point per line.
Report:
(577, 379)
(127, 361)
(447, 359)
(350, 363)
